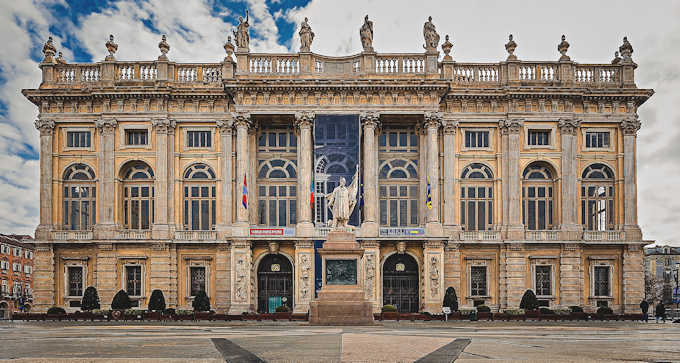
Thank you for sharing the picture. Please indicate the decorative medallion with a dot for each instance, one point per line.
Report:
(276, 267)
(400, 267)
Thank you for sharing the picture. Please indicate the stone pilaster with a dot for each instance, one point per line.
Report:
(171, 180)
(433, 271)
(571, 282)
(242, 261)
(44, 278)
(452, 269)
(449, 208)
(304, 276)
(159, 267)
(370, 122)
(160, 226)
(105, 266)
(242, 123)
(433, 121)
(515, 267)
(105, 226)
(372, 273)
(171, 299)
(225, 217)
(503, 277)
(46, 128)
(512, 194)
(222, 277)
(630, 126)
(569, 189)
(304, 122)
(633, 278)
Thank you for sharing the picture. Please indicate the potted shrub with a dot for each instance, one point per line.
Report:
(605, 313)
(484, 312)
(156, 305)
(121, 302)
(89, 302)
(451, 301)
(282, 312)
(201, 305)
(530, 304)
(389, 312)
(576, 313)
(56, 313)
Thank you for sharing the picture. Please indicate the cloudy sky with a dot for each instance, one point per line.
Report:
(197, 29)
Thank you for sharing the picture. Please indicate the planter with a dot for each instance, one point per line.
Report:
(604, 317)
(389, 315)
(156, 315)
(484, 316)
(283, 316)
(184, 317)
(204, 315)
(58, 317)
(534, 314)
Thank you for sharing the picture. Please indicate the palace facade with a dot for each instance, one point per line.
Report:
(492, 178)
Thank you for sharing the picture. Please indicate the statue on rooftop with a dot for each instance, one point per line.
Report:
(306, 36)
(431, 36)
(241, 35)
(366, 34)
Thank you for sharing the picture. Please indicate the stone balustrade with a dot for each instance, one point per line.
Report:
(604, 235)
(480, 236)
(134, 234)
(72, 235)
(195, 235)
(545, 235)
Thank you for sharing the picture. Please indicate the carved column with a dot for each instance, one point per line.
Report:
(46, 128)
(433, 271)
(105, 225)
(241, 262)
(44, 278)
(449, 212)
(160, 225)
(432, 122)
(304, 122)
(170, 212)
(225, 218)
(223, 277)
(569, 189)
(370, 122)
(242, 123)
(630, 126)
(370, 263)
(513, 192)
(304, 275)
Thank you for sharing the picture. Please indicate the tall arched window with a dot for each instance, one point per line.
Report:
(277, 192)
(476, 197)
(199, 198)
(79, 198)
(398, 185)
(597, 198)
(138, 196)
(537, 196)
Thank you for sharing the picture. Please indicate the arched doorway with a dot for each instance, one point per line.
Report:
(400, 283)
(4, 310)
(274, 283)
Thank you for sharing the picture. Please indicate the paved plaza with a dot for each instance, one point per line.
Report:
(299, 342)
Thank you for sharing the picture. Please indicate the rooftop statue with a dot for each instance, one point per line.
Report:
(431, 36)
(366, 33)
(306, 36)
(342, 201)
(241, 35)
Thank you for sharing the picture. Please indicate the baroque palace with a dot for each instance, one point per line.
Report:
(492, 178)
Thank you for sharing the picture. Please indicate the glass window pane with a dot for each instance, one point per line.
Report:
(481, 216)
(195, 216)
(145, 214)
(205, 215)
(531, 214)
(471, 216)
(393, 213)
(282, 213)
(541, 214)
(272, 212)
(383, 212)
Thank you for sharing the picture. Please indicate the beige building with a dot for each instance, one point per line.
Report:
(661, 271)
(492, 178)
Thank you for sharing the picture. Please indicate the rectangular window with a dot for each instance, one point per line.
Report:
(75, 280)
(137, 137)
(478, 281)
(601, 281)
(199, 138)
(597, 139)
(543, 280)
(197, 279)
(539, 137)
(476, 139)
(133, 280)
(78, 139)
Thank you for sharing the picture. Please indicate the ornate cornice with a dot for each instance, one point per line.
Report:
(304, 119)
(630, 125)
(46, 127)
(241, 119)
(370, 119)
(510, 126)
(106, 125)
(432, 119)
(225, 126)
(568, 125)
(163, 125)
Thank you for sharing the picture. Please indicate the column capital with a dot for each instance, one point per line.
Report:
(370, 119)
(510, 126)
(226, 126)
(106, 125)
(304, 119)
(163, 125)
(450, 126)
(631, 125)
(568, 125)
(432, 120)
(45, 126)
(242, 119)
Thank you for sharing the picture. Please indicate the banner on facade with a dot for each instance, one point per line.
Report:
(272, 232)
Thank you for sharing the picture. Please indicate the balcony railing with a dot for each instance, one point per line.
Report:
(195, 235)
(72, 235)
(321, 231)
(134, 234)
(541, 235)
(604, 235)
(285, 64)
(480, 235)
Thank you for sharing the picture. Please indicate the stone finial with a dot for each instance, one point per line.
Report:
(446, 47)
(60, 58)
(49, 50)
(112, 47)
(616, 59)
(431, 36)
(562, 48)
(164, 47)
(626, 50)
(229, 48)
(510, 46)
(306, 36)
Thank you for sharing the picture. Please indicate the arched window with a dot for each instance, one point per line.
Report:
(79, 198)
(398, 185)
(199, 198)
(277, 192)
(597, 198)
(138, 195)
(537, 196)
(476, 197)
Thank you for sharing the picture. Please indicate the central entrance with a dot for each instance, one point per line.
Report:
(274, 283)
(400, 283)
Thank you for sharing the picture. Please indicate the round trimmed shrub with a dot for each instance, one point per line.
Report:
(90, 299)
(451, 299)
(546, 311)
(169, 311)
(389, 309)
(576, 309)
(529, 301)
(201, 302)
(121, 301)
(156, 301)
(56, 310)
(282, 309)
(604, 310)
(483, 309)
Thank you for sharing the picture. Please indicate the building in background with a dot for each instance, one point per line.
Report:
(492, 178)
(661, 271)
(16, 274)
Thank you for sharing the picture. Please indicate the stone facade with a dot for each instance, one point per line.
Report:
(16, 274)
(551, 144)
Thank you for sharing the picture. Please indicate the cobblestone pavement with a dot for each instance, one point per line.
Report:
(299, 342)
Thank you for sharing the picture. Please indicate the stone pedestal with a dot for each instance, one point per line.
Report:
(342, 299)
